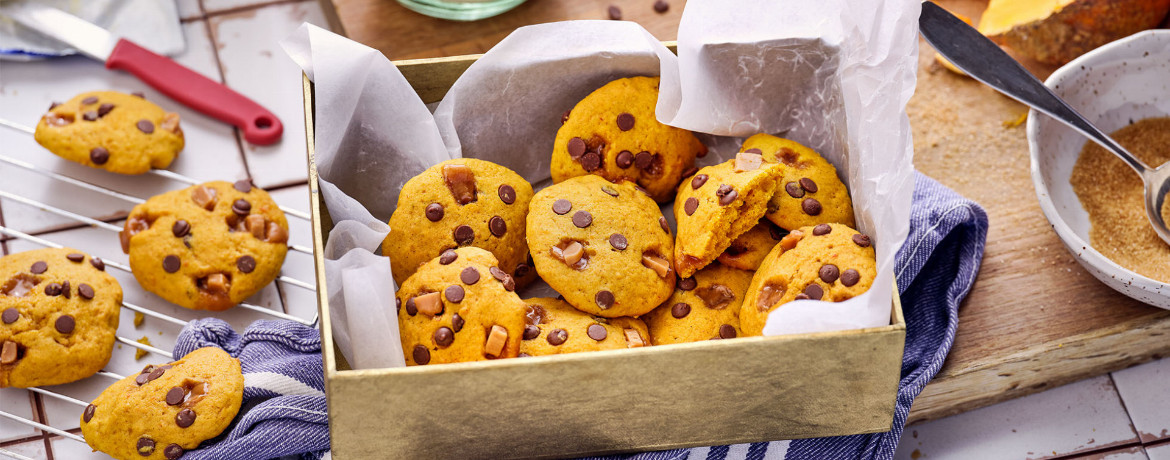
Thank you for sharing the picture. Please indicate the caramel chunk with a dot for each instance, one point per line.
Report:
(429, 304)
(205, 197)
(276, 233)
(255, 224)
(634, 339)
(789, 241)
(769, 295)
(572, 253)
(171, 123)
(496, 340)
(656, 263)
(745, 161)
(218, 283)
(461, 181)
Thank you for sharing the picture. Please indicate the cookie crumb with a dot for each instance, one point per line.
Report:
(139, 318)
(615, 13)
(138, 352)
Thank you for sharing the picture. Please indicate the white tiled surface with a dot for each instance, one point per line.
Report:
(1159, 452)
(1146, 392)
(244, 47)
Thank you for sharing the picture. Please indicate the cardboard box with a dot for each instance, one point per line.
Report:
(696, 394)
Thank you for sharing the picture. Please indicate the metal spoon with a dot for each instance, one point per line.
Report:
(983, 60)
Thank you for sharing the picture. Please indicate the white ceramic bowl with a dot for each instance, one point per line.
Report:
(1125, 80)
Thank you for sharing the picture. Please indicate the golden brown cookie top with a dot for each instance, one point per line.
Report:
(166, 410)
(604, 246)
(208, 246)
(553, 327)
(58, 314)
(809, 192)
(829, 262)
(615, 134)
(118, 132)
(703, 307)
(459, 307)
(459, 203)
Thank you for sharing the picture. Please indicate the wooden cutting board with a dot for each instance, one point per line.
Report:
(1034, 319)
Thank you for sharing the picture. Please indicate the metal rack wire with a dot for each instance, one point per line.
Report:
(13, 233)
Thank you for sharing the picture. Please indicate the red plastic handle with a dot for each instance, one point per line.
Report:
(259, 126)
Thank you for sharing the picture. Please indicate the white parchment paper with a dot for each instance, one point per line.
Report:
(835, 76)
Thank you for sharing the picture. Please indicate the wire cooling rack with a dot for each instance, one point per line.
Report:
(113, 229)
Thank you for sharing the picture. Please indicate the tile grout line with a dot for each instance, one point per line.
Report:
(1132, 425)
(1082, 454)
(39, 413)
(211, 35)
(241, 9)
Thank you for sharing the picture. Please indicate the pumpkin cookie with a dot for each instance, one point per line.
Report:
(702, 307)
(459, 307)
(166, 410)
(605, 247)
(457, 203)
(719, 204)
(116, 132)
(829, 262)
(208, 246)
(58, 314)
(553, 327)
(614, 133)
(749, 249)
(810, 192)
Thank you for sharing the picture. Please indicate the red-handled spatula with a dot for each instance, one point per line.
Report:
(259, 126)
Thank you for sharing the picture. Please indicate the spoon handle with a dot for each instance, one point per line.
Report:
(983, 60)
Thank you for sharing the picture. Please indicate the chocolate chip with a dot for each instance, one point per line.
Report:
(447, 257)
(531, 332)
(65, 291)
(591, 161)
(175, 396)
(99, 155)
(604, 299)
(171, 263)
(241, 207)
(65, 324)
(662, 223)
(829, 273)
(443, 337)
(596, 332)
(98, 264)
(85, 291)
(53, 290)
(39, 267)
(625, 159)
(145, 126)
(185, 418)
(104, 109)
(75, 257)
(822, 229)
(89, 100)
(565, 116)
(861, 240)
(454, 293)
(173, 451)
(660, 6)
(808, 184)
(421, 355)
(562, 206)
(582, 219)
(811, 206)
(142, 379)
(850, 277)
(794, 190)
(507, 194)
(156, 373)
(618, 241)
(691, 205)
(754, 151)
(181, 228)
(687, 284)
(88, 414)
(643, 160)
(434, 212)
(145, 446)
(503, 277)
(726, 331)
(497, 226)
(53, 105)
(615, 13)
(138, 94)
(411, 308)
(464, 235)
(726, 194)
(10, 315)
(456, 322)
(625, 121)
(469, 276)
(557, 337)
(576, 147)
(680, 310)
(89, 116)
(609, 190)
(814, 291)
(246, 264)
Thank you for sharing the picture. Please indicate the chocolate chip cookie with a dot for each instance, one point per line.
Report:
(719, 204)
(829, 262)
(459, 307)
(553, 327)
(58, 314)
(703, 307)
(458, 203)
(749, 249)
(614, 133)
(604, 246)
(117, 132)
(163, 411)
(810, 192)
(208, 246)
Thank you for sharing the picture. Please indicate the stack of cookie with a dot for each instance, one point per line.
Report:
(770, 226)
